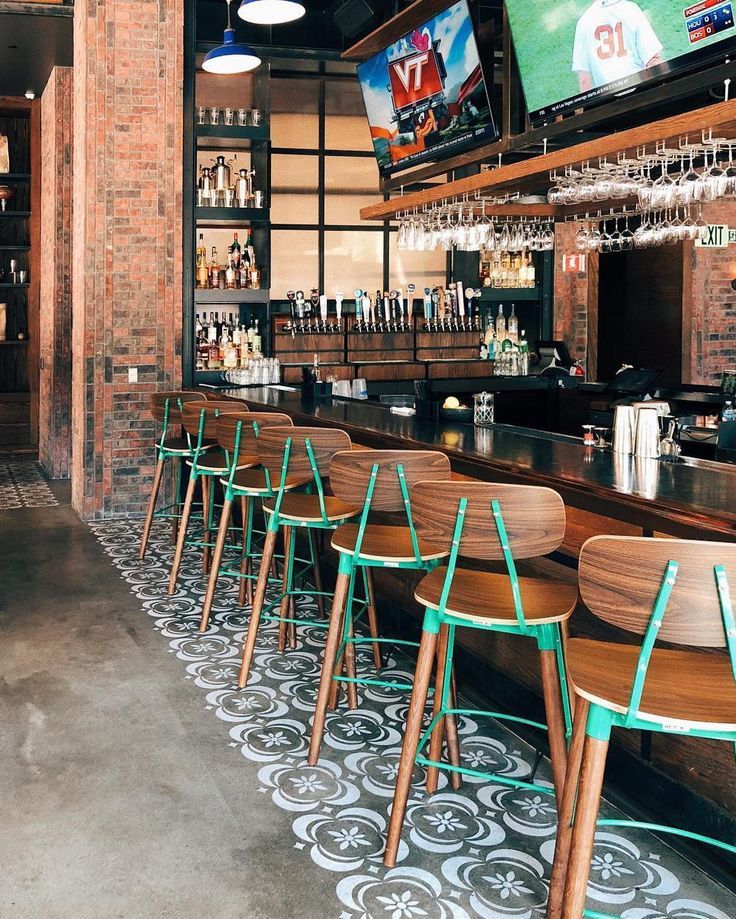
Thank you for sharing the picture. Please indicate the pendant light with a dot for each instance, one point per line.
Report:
(230, 56)
(271, 12)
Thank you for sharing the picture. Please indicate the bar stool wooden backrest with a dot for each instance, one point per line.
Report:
(381, 481)
(300, 452)
(166, 406)
(487, 521)
(199, 419)
(673, 590)
(237, 434)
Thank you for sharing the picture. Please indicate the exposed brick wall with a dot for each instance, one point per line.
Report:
(128, 74)
(571, 296)
(712, 303)
(54, 415)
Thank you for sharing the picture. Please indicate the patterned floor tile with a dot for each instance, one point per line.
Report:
(22, 485)
(485, 851)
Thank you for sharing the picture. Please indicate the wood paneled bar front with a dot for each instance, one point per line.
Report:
(604, 493)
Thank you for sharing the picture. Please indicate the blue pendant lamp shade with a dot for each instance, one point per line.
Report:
(271, 12)
(230, 56)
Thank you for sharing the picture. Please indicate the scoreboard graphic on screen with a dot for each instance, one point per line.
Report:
(708, 18)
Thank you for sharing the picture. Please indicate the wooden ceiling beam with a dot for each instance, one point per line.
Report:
(406, 21)
(533, 175)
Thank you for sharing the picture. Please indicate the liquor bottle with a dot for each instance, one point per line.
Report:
(212, 329)
(255, 275)
(198, 328)
(257, 340)
(500, 324)
(531, 271)
(513, 326)
(235, 248)
(490, 333)
(202, 275)
(251, 332)
(214, 269)
(230, 273)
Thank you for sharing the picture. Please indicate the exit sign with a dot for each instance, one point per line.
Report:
(714, 236)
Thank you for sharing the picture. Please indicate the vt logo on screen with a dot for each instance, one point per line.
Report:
(403, 70)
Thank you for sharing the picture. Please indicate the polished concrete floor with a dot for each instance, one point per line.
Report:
(136, 782)
(117, 795)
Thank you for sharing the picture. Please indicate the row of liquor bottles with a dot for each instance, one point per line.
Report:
(223, 344)
(507, 270)
(240, 271)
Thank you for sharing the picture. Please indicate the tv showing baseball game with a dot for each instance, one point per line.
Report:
(425, 95)
(580, 52)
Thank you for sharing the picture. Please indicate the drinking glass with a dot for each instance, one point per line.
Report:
(214, 116)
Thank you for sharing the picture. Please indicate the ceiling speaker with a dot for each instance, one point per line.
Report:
(352, 16)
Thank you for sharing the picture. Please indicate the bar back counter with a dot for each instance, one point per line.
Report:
(604, 493)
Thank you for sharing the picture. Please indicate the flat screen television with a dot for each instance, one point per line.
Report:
(581, 52)
(425, 95)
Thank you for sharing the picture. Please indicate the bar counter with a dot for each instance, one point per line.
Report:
(603, 493)
(687, 498)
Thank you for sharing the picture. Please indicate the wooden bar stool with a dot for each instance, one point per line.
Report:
(477, 520)
(381, 481)
(294, 453)
(166, 409)
(676, 591)
(237, 434)
(200, 422)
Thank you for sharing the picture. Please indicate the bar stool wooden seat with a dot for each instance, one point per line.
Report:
(380, 481)
(166, 409)
(676, 591)
(237, 435)
(208, 462)
(489, 522)
(288, 453)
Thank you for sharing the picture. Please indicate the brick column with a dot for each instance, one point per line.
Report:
(574, 294)
(709, 332)
(54, 414)
(128, 77)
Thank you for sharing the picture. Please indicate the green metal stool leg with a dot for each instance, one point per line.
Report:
(372, 615)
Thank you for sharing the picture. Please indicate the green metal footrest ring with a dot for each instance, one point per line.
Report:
(489, 776)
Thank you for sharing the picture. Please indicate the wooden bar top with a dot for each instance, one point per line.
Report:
(686, 498)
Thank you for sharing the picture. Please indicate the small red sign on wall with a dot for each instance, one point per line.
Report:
(573, 264)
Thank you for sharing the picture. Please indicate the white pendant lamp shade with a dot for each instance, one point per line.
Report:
(230, 56)
(271, 12)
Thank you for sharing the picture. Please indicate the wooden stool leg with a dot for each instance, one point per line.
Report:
(583, 830)
(216, 562)
(316, 570)
(565, 811)
(183, 526)
(255, 616)
(552, 690)
(350, 668)
(157, 476)
(425, 660)
(336, 687)
(372, 617)
(334, 635)
(284, 610)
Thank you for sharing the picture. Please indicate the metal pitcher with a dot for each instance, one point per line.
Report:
(244, 187)
(222, 174)
(204, 183)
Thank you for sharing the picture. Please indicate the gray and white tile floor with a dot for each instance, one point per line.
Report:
(22, 484)
(485, 851)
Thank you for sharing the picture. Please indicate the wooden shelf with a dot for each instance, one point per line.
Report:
(232, 132)
(406, 21)
(231, 215)
(533, 175)
(8, 286)
(7, 343)
(7, 215)
(14, 177)
(510, 293)
(230, 296)
(15, 248)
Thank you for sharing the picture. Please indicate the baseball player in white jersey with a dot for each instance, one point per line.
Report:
(613, 39)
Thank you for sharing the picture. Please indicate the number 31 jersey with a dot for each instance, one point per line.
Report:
(613, 39)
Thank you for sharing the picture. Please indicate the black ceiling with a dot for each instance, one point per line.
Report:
(31, 44)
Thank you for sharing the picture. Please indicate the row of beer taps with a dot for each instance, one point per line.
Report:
(455, 308)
